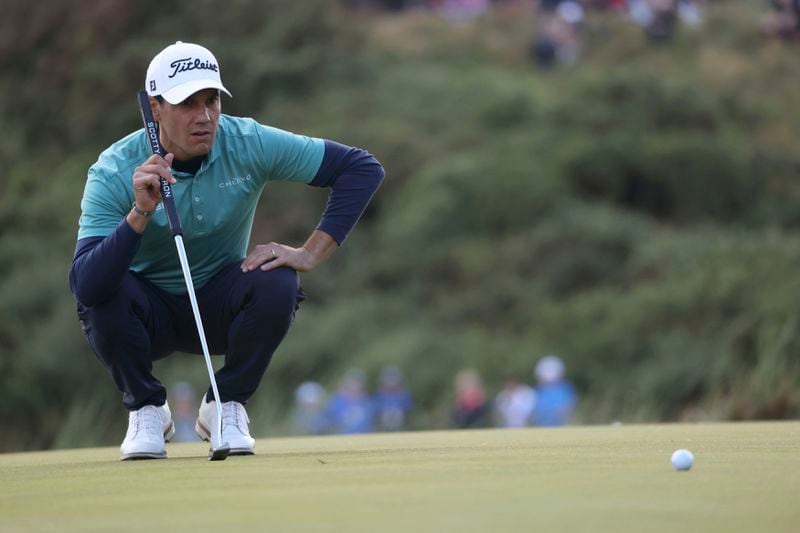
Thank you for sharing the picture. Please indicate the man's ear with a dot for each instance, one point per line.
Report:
(155, 108)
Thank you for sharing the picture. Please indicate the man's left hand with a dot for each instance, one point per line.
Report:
(317, 248)
(274, 255)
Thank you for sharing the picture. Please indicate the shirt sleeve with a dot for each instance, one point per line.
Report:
(353, 175)
(102, 206)
(289, 157)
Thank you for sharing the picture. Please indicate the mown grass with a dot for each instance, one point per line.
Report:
(590, 478)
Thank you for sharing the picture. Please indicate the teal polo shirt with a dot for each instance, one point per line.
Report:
(216, 206)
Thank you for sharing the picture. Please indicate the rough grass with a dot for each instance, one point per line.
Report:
(591, 478)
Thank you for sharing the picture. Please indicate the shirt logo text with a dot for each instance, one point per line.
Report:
(233, 182)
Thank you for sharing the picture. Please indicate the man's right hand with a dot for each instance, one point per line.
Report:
(147, 188)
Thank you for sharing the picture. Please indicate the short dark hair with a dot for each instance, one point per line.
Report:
(159, 98)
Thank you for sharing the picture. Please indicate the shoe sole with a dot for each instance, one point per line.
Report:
(168, 434)
(138, 456)
(204, 433)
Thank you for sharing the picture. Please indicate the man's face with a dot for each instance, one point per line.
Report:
(188, 129)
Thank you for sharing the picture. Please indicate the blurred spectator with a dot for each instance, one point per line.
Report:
(784, 19)
(513, 406)
(659, 18)
(558, 27)
(555, 396)
(309, 409)
(461, 9)
(656, 17)
(469, 409)
(393, 402)
(183, 403)
(350, 409)
(388, 5)
(691, 12)
(615, 5)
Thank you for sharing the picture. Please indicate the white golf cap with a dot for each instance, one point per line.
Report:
(182, 69)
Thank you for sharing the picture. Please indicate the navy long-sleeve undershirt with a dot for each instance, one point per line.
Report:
(352, 174)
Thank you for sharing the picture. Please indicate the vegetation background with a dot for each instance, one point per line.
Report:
(635, 213)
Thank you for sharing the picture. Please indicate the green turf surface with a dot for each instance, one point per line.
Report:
(746, 477)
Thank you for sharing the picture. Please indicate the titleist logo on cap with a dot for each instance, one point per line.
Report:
(189, 63)
(182, 69)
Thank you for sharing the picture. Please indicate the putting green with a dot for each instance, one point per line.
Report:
(746, 477)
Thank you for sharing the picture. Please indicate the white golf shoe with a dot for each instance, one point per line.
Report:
(148, 429)
(235, 431)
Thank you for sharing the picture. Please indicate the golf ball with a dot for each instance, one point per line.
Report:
(682, 459)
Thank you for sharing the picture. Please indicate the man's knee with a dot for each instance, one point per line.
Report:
(276, 292)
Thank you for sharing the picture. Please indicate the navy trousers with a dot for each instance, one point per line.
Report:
(245, 317)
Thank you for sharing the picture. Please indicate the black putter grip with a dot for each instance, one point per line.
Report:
(151, 131)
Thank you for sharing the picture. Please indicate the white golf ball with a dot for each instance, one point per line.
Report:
(682, 459)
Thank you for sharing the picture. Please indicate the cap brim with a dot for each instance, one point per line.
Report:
(178, 94)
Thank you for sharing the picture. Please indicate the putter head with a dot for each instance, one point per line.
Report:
(219, 454)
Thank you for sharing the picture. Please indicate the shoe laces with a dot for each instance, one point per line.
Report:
(147, 419)
(234, 414)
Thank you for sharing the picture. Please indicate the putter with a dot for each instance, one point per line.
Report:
(221, 452)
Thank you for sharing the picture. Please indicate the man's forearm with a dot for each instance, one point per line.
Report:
(320, 246)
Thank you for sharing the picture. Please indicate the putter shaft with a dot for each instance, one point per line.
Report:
(187, 275)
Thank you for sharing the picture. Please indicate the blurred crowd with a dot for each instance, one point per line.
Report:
(559, 24)
(550, 402)
(352, 408)
(783, 19)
